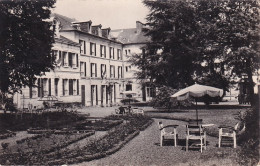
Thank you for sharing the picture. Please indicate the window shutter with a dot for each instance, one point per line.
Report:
(77, 87)
(101, 50)
(49, 86)
(105, 52)
(95, 70)
(96, 95)
(84, 47)
(62, 59)
(39, 87)
(77, 60)
(91, 69)
(63, 87)
(95, 50)
(85, 68)
(90, 51)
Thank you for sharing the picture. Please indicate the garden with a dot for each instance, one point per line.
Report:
(53, 138)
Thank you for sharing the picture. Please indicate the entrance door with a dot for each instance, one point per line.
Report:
(83, 95)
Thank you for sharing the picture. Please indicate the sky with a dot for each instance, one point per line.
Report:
(116, 14)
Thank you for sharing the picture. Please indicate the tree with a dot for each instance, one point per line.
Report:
(207, 41)
(25, 42)
(168, 58)
(231, 30)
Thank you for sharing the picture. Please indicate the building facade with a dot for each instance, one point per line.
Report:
(92, 67)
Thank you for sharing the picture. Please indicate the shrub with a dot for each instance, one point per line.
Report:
(249, 154)
(163, 99)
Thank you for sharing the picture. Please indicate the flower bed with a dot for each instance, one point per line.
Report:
(32, 149)
(98, 125)
(7, 134)
(110, 143)
(46, 148)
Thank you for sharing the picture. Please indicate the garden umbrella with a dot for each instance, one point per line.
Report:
(196, 91)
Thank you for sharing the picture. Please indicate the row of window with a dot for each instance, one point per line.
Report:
(66, 59)
(103, 71)
(69, 87)
(103, 50)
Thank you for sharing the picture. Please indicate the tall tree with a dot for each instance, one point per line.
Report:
(25, 42)
(168, 58)
(207, 41)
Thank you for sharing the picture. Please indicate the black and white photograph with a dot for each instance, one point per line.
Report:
(130, 82)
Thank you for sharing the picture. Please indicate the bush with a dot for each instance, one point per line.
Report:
(249, 154)
(163, 99)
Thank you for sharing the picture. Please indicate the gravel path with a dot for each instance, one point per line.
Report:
(145, 150)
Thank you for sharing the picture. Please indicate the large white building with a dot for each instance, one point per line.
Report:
(92, 66)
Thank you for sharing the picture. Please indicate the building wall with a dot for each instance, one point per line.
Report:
(35, 96)
(96, 81)
(130, 70)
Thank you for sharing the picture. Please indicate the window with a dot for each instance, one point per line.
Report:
(129, 51)
(111, 53)
(44, 87)
(56, 82)
(120, 71)
(103, 71)
(65, 87)
(70, 59)
(126, 52)
(112, 71)
(74, 87)
(65, 58)
(49, 86)
(93, 70)
(119, 55)
(82, 46)
(93, 49)
(73, 60)
(128, 87)
(150, 92)
(70, 87)
(55, 54)
(103, 51)
(83, 71)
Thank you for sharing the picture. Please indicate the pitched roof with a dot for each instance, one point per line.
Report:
(66, 22)
(65, 40)
(129, 36)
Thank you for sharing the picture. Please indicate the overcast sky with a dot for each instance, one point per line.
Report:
(115, 14)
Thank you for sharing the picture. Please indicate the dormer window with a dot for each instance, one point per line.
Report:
(96, 30)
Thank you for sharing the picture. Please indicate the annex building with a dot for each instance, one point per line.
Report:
(92, 66)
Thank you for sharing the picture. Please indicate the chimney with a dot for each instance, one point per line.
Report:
(139, 27)
(105, 32)
(83, 26)
(96, 30)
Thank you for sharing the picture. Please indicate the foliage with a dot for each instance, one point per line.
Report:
(249, 153)
(52, 120)
(25, 42)
(163, 97)
(210, 42)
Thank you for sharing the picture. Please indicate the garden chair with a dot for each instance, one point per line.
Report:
(165, 135)
(229, 132)
(197, 135)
